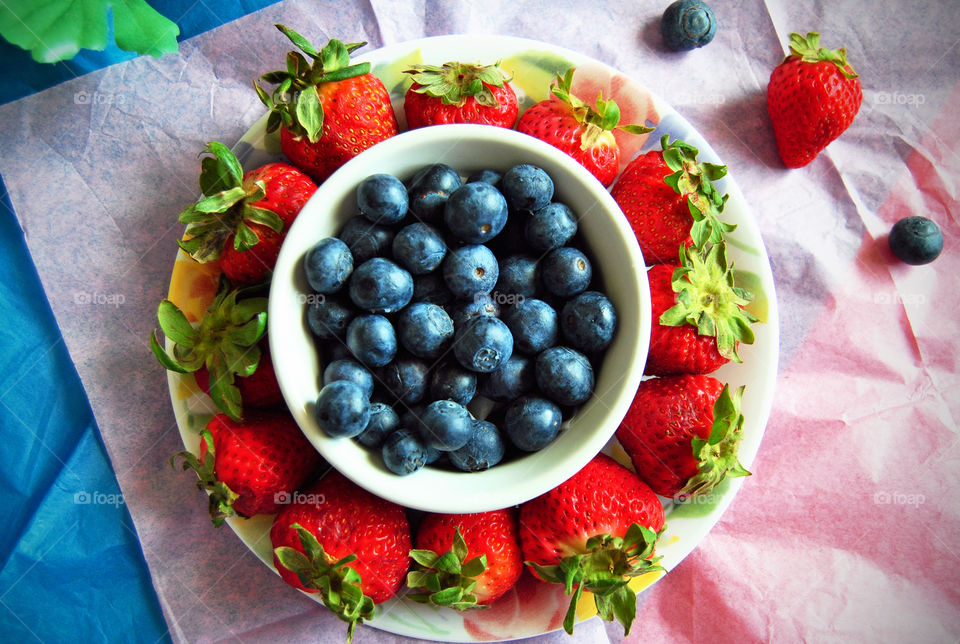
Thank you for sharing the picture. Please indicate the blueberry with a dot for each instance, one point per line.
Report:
(431, 288)
(419, 248)
(533, 324)
(445, 425)
(550, 227)
(328, 265)
(565, 271)
(424, 329)
(487, 176)
(518, 276)
(564, 375)
(380, 286)
(328, 317)
(382, 198)
(483, 450)
(429, 190)
(469, 270)
(527, 187)
(513, 379)
(532, 422)
(345, 369)
(403, 453)
(372, 340)
(462, 311)
(588, 321)
(475, 212)
(342, 409)
(405, 379)
(483, 344)
(365, 239)
(383, 422)
(688, 24)
(916, 240)
(450, 381)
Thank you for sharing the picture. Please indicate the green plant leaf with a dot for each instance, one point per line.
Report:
(57, 30)
(139, 27)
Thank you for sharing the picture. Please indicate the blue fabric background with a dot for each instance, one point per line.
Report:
(71, 567)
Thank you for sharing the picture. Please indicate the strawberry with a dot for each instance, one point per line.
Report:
(683, 433)
(327, 110)
(670, 200)
(259, 390)
(345, 543)
(223, 350)
(812, 97)
(242, 218)
(698, 314)
(594, 532)
(459, 93)
(581, 131)
(252, 467)
(479, 558)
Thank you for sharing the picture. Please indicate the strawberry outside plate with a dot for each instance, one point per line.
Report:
(532, 607)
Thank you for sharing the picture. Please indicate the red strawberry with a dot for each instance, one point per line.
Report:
(683, 433)
(594, 532)
(465, 559)
(812, 97)
(328, 111)
(698, 314)
(345, 543)
(259, 390)
(581, 131)
(459, 93)
(670, 200)
(242, 218)
(225, 345)
(251, 467)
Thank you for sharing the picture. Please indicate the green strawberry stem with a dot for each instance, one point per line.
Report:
(225, 209)
(447, 579)
(717, 456)
(708, 299)
(454, 82)
(602, 117)
(221, 496)
(294, 102)
(225, 342)
(695, 180)
(809, 50)
(338, 583)
(605, 570)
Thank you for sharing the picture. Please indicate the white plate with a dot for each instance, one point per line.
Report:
(532, 608)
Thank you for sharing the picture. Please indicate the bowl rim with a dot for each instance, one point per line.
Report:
(518, 480)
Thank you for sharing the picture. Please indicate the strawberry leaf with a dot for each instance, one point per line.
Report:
(605, 569)
(338, 583)
(707, 299)
(222, 497)
(175, 324)
(221, 171)
(298, 40)
(446, 579)
(168, 363)
(717, 456)
(309, 113)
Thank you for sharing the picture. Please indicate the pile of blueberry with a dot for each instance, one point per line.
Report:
(455, 318)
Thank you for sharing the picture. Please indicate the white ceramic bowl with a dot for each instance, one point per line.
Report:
(618, 260)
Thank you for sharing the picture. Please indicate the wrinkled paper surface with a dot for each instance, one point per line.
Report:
(848, 528)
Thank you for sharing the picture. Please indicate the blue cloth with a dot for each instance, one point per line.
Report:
(71, 568)
(21, 76)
